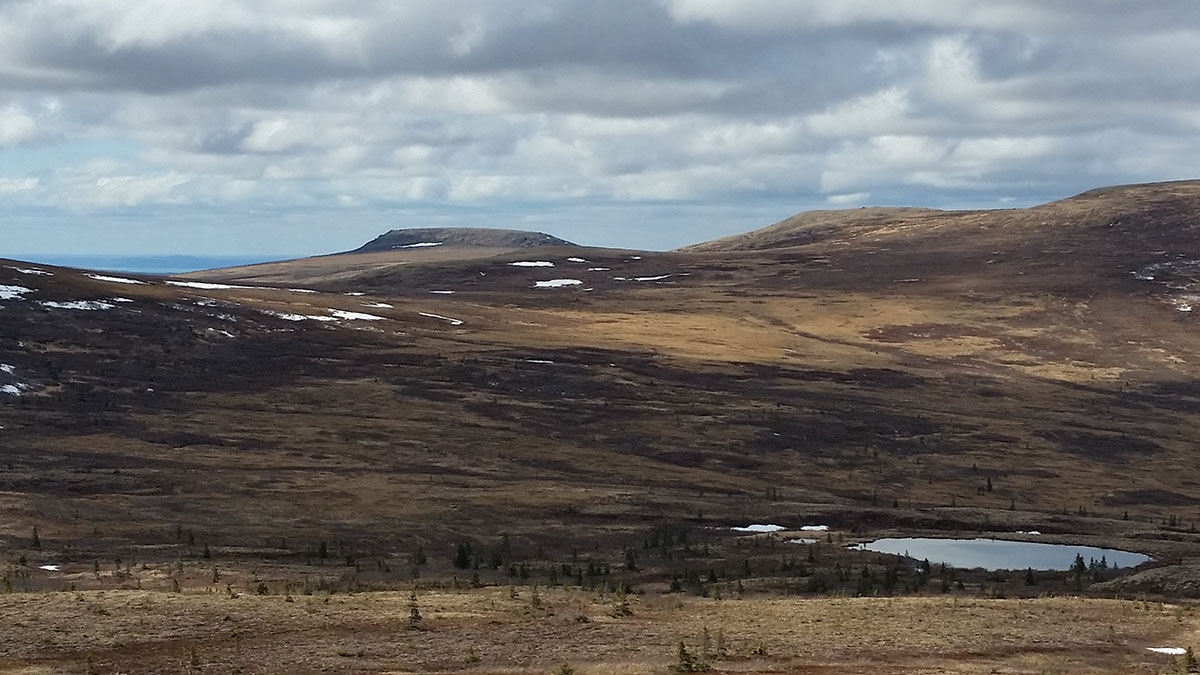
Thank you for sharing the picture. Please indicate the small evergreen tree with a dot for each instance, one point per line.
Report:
(414, 611)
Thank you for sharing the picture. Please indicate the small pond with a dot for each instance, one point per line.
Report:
(995, 554)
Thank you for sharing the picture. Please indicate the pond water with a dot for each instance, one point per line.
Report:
(995, 554)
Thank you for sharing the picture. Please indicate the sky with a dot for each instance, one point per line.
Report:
(296, 127)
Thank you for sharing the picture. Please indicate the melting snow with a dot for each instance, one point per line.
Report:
(88, 305)
(302, 290)
(442, 292)
(1170, 651)
(13, 389)
(1030, 532)
(531, 263)
(5, 368)
(49, 568)
(543, 362)
(355, 295)
(657, 278)
(205, 286)
(759, 528)
(423, 244)
(121, 299)
(802, 540)
(13, 292)
(453, 322)
(576, 260)
(598, 269)
(288, 316)
(117, 280)
(355, 316)
(557, 283)
(815, 528)
(377, 305)
(32, 271)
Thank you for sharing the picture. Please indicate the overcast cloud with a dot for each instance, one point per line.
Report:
(304, 126)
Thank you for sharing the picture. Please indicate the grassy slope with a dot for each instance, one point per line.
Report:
(873, 380)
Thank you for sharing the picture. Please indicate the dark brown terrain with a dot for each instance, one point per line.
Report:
(320, 437)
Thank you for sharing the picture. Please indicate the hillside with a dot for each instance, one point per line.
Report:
(1139, 210)
(458, 237)
(311, 440)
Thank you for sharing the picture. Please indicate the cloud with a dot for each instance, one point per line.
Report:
(167, 111)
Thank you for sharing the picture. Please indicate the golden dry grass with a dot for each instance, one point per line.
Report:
(143, 632)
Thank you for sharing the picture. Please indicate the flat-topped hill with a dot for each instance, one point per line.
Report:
(432, 237)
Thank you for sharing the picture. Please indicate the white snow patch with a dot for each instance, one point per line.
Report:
(543, 362)
(422, 244)
(86, 305)
(802, 540)
(599, 269)
(442, 292)
(302, 290)
(13, 389)
(657, 278)
(452, 321)
(377, 305)
(815, 528)
(759, 528)
(636, 257)
(289, 316)
(576, 260)
(117, 280)
(355, 295)
(13, 292)
(32, 271)
(1033, 533)
(49, 568)
(1169, 651)
(120, 299)
(205, 286)
(354, 316)
(531, 263)
(6, 368)
(557, 283)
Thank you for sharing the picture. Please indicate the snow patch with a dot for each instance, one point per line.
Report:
(543, 362)
(32, 271)
(377, 305)
(802, 540)
(289, 316)
(451, 321)
(13, 292)
(557, 283)
(657, 278)
(354, 316)
(85, 305)
(576, 260)
(13, 389)
(49, 568)
(757, 528)
(355, 295)
(1169, 651)
(599, 269)
(531, 263)
(6, 368)
(120, 300)
(422, 244)
(814, 528)
(117, 280)
(442, 292)
(302, 290)
(205, 286)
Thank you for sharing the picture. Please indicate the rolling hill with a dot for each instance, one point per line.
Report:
(606, 416)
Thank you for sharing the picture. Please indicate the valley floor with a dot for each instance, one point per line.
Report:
(499, 630)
